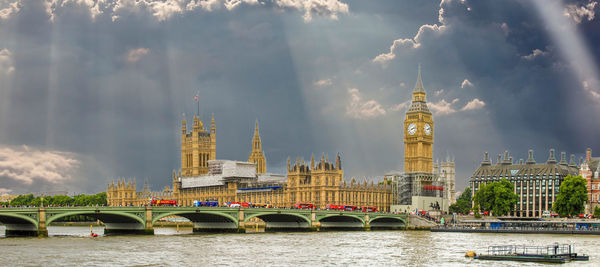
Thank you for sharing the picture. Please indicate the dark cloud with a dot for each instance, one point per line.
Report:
(112, 92)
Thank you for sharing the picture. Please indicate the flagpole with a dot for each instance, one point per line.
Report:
(198, 103)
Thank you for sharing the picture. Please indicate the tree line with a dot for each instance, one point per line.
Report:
(57, 201)
(60, 201)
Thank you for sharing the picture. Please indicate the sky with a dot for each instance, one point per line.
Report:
(95, 90)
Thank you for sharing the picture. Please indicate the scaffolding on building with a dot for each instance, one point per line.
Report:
(407, 185)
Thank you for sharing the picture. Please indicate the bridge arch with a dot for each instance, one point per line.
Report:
(387, 222)
(16, 218)
(341, 221)
(341, 216)
(277, 220)
(193, 216)
(103, 216)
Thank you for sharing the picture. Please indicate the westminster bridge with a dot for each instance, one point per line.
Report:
(140, 220)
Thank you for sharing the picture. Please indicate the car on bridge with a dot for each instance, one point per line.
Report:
(206, 203)
(369, 209)
(238, 204)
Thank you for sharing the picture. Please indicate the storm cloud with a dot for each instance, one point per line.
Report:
(105, 84)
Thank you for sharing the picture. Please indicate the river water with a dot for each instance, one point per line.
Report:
(70, 246)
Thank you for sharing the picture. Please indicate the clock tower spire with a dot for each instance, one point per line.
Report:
(418, 132)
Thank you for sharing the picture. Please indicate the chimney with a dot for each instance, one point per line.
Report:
(572, 162)
(551, 159)
(588, 155)
(530, 159)
(486, 159)
(563, 158)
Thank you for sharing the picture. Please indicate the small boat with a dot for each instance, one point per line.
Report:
(92, 234)
(557, 253)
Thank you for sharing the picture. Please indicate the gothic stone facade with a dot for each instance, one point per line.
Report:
(197, 147)
(321, 183)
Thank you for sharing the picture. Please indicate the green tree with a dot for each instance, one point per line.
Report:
(497, 197)
(22, 200)
(597, 212)
(572, 196)
(463, 203)
(60, 200)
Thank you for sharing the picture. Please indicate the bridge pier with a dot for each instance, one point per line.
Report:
(241, 227)
(315, 225)
(367, 223)
(21, 231)
(42, 230)
(148, 228)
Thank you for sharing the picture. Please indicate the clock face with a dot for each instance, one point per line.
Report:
(427, 129)
(412, 129)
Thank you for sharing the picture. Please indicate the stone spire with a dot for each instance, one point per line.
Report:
(256, 134)
(213, 128)
(183, 124)
(419, 84)
(338, 162)
(419, 103)
(256, 155)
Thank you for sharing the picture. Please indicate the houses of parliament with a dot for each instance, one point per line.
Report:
(202, 177)
(319, 181)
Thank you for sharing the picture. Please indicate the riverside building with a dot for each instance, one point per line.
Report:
(590, 170)
(536, 184)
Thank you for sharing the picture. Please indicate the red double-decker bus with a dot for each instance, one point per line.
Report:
(334, 207)
(162, 202)
(304, 206)
(346, 207)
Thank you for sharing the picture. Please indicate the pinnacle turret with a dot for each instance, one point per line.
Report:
(419, 84)
(256, 154)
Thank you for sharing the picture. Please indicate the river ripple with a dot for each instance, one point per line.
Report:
(70, 246)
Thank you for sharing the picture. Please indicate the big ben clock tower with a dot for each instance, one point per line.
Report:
(418, 133)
